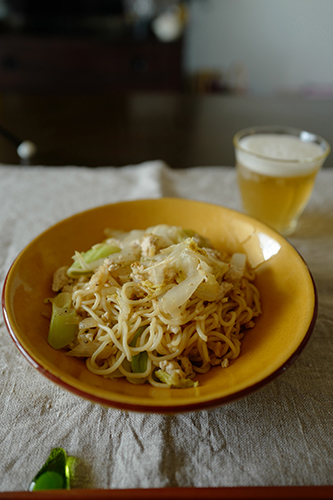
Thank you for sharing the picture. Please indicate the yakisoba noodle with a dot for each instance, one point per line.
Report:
(161, 308)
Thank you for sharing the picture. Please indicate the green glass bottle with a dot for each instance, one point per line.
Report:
(55, 473)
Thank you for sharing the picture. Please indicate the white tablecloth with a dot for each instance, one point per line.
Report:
(281, 435)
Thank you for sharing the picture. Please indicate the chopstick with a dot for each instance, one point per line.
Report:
(229, 493)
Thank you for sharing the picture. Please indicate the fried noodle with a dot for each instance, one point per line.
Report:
(187, 305)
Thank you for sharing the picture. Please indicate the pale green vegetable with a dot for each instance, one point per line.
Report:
(139, 361)
(208, 290)
(175, 380)
(201, 240)
(86, 262)
(238, 262)
(63, 326)
(179, 294)
(87, 349)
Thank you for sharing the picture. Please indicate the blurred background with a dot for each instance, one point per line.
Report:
(98, 82)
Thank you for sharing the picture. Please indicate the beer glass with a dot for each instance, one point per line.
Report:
(276, 170)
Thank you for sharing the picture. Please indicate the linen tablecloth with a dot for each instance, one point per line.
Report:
(279, 436)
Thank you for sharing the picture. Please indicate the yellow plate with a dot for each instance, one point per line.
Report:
(288, 295)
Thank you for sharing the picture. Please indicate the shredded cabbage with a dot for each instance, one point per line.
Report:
(175, 380)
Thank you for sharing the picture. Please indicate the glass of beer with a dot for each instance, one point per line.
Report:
(276, 171)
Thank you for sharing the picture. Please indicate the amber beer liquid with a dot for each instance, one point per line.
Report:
(276, 175)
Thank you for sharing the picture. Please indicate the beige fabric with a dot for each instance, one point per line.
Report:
(282, 435)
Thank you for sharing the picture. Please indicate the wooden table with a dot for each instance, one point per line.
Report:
(118, 129)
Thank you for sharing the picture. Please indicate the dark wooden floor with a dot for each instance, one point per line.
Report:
(119, 129)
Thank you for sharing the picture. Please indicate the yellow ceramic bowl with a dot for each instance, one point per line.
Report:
(288, 294)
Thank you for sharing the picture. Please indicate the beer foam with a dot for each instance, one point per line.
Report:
(294, 156)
